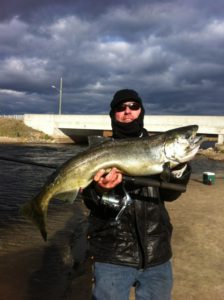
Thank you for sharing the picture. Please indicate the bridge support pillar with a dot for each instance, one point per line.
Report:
(221, 139)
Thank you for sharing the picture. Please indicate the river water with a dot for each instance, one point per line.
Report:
(31, 268)
(34, 269)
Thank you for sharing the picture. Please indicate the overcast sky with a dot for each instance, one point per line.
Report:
(171, 52)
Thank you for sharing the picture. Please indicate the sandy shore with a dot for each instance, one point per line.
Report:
(198, 240)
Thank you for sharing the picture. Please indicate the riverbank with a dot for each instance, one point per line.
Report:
(15, 131)
(213, 153)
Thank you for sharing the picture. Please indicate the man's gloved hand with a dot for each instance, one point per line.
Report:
(178, 171)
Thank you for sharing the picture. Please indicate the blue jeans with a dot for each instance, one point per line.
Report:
(113, 282)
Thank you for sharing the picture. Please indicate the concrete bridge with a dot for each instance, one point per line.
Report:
(73, 126)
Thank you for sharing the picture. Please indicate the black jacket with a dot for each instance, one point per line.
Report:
(142, 238)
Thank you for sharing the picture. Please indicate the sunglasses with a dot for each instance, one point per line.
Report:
(132, 106)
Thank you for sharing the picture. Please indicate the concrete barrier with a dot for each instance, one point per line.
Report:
(60, 126)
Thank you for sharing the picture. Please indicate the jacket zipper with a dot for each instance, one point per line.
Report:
(142, 261)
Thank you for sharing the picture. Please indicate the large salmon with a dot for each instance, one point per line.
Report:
(135, 157)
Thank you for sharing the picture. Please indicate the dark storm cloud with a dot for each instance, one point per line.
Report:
(87, 8)
(170, 51)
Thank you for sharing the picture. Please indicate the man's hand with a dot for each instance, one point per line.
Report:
(108, 180)
(179, 170)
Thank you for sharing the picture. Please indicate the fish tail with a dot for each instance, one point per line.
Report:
(37, 215)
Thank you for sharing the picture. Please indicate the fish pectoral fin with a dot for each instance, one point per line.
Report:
(69, 196)
(166, 173)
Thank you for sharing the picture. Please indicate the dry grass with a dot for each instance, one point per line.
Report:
(16, 129)
(215, 154)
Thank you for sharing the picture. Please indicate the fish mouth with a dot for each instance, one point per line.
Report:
(186, 144)
(193, 147)
(195, 141)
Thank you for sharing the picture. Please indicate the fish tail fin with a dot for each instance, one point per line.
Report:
(37, 215)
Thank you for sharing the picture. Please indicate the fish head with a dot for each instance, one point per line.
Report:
(182, 144)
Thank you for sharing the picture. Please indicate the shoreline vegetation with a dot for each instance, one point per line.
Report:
(15, 131)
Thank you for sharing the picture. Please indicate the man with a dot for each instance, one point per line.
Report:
(135, 251)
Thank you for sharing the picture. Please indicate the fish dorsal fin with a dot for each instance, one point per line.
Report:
(95, 140)
(68, 196)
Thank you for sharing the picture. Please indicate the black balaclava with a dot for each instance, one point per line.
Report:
(134, 128)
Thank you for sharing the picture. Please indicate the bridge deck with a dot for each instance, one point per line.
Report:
(62, 125)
